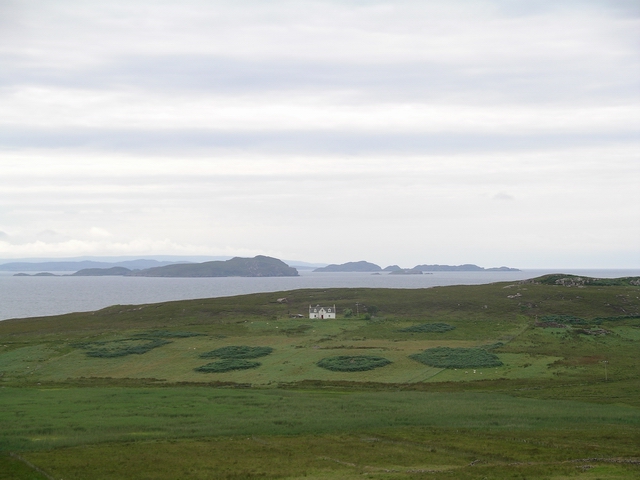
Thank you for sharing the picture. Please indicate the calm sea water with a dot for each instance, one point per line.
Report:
(39, 296)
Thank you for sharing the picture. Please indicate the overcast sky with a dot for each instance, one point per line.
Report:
(398, 132)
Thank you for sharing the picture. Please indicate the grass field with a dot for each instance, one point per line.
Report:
(565, 403)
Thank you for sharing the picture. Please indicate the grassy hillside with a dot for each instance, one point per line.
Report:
(558, 397)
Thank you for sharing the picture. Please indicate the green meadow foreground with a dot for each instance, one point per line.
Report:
(538, 379)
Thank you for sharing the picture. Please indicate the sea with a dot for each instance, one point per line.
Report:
(31, 296)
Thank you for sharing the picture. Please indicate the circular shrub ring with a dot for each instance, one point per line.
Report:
(227, 365)
(353, 363)
(238, 351)
(447, 357)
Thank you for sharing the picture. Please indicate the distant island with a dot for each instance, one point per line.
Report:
(406, 271)
(363, 266)
(260, 266)
(467, 267)
(41, 274)
(104, 272)
(75, 265)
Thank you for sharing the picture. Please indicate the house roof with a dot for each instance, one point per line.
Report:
(317, 308)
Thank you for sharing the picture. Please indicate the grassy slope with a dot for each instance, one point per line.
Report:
(52, 389)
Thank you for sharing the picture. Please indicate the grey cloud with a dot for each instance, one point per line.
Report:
(51, 236)
(546, 63)
(501, 54)
(315, 142)
(545, 80)
(503, 196)
(625, 8)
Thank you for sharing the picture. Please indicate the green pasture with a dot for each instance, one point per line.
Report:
(37, 418)
(118, 391)
(192, 432)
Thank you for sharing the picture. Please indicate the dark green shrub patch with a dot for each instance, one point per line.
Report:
(137, 344)
(428, 328)
(167, 334)
(357, 363)
(560, 321)
(240, 351)
(226, 365)
(619, 318)
(120, 348)
(593, 331)
(575, 281)
(446, 357)
(615, 282)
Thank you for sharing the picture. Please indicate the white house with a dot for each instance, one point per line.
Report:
(322, 312)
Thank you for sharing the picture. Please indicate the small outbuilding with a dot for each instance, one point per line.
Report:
(322, 312)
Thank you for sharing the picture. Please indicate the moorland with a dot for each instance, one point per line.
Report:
(532, 379)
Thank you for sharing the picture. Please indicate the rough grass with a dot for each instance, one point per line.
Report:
(428, 328)
(391, 454)
(12, 468)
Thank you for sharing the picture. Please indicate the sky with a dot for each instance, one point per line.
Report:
(500, 132)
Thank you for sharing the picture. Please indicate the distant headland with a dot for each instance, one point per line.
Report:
(259, 266)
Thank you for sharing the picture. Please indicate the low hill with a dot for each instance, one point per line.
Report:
(76, 265)
(259, 266)
(577, 281)
(392, 268)
(361, 266)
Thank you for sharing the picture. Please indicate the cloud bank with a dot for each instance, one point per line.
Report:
(490, 132)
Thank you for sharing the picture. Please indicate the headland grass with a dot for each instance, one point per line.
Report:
(565, 403)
